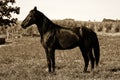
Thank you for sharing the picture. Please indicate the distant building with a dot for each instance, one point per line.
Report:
(110, 20)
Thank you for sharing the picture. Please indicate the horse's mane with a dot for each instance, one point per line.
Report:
(44, 17)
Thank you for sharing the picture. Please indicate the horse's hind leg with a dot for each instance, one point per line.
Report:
(85, 57)
(92, 59)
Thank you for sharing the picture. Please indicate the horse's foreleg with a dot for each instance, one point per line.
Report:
(50, 53)
(53, 60)
(48, 59)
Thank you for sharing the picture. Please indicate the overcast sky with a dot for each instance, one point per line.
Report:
(75, 9)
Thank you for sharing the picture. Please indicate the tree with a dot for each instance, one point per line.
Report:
(5, 12)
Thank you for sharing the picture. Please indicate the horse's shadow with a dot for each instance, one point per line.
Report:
(114, 70)
(57, 67)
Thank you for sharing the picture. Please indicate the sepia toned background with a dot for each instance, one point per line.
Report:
(79, 9)
(22, 56)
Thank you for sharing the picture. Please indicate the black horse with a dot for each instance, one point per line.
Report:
(55, 37)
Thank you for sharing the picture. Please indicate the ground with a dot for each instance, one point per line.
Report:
(24, 59)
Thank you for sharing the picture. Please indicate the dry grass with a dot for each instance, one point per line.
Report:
(24, 59)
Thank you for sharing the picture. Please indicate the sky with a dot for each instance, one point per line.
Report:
(76, 9)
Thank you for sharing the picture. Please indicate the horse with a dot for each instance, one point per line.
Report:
(55, 37)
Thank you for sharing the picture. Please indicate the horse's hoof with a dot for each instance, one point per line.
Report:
(54, 73)
(46, 70)
(86, 71)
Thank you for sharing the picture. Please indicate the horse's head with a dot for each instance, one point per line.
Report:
(30, 19)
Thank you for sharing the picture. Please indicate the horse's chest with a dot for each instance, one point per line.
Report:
(48, 40)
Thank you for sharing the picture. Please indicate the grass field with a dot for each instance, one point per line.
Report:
(24, 59)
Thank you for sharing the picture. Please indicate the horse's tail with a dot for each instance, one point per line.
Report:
(96, 48)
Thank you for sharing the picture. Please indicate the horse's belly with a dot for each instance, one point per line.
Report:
(67, 45)
(68, 40)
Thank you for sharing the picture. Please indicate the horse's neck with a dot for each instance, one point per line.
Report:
(44, 26)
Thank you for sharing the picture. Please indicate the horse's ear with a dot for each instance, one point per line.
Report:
(35, 8)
